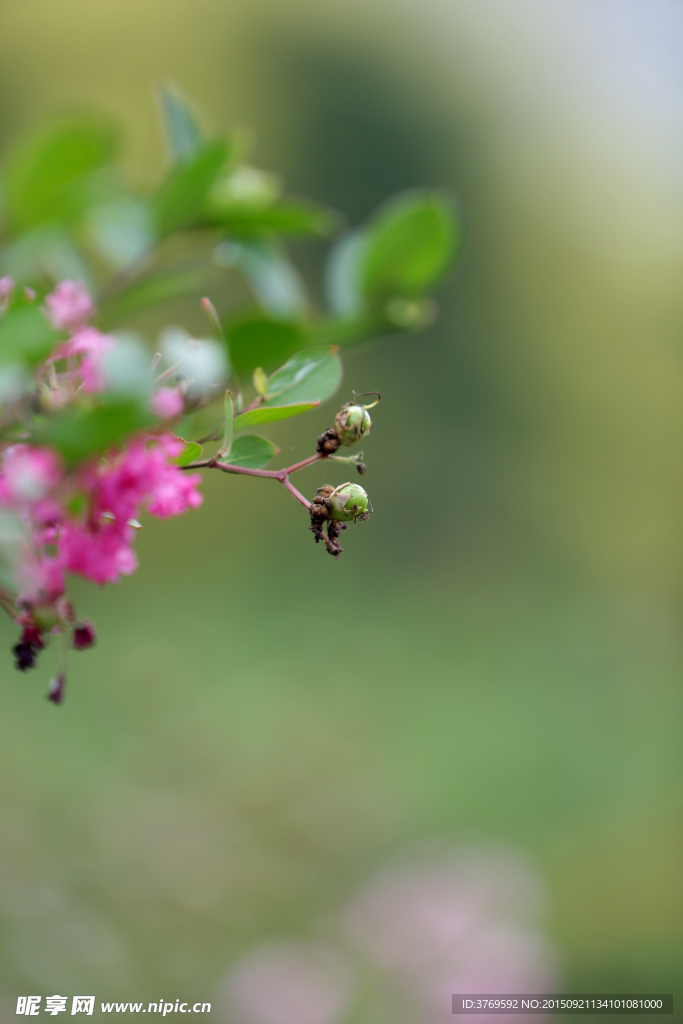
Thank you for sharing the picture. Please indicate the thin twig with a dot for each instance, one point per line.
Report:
(306, 462)
(229, 468)
(297, 494)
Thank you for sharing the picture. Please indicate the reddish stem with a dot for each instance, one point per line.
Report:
(279, 474)
(297, 494)
(306, 462)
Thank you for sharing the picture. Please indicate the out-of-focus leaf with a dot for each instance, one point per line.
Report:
(290, 217)
(349, 330)
(273, 277)
(260, 379)
(309, 376)
(190, 452)
(411, 241)
(80, 433)
(47, 175)
(213, 320)
(121, 230)
(26, 336)
(183, 134)
(180, 201)
(150, 291)
(251, 451)
(258, 340)
(46, 251)
(344, 274)
(228, 429)
(268, 414)
(242, 188)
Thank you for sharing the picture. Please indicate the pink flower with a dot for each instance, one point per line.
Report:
(41, 579)
(102, 555)
(175, 493)
(91, 345)
(167, 403)
(6, 286)
(70, 305)
(28, 474)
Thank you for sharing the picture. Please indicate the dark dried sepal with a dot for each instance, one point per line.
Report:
(328, 443)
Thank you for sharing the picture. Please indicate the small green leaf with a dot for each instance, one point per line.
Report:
(183, 133)
(309, 376)
(268, 414)
(48, 174)
(179, 202)
(411, 241)
(252, 451)
(257, 340)
(80, 433)
(26, 336)
(261, 381)
(190, 452)
(226, 446)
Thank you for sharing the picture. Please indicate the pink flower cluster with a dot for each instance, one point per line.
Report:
(69, 308)
(83, 520)
(97, 542)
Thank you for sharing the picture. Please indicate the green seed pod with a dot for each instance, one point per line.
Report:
(352, 423)
(348, 502)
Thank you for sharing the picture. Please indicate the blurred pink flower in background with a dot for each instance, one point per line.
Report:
(288, 983)
(69, 305)
(167, 403)
(459, 920)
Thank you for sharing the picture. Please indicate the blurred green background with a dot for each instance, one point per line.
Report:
(497, 656)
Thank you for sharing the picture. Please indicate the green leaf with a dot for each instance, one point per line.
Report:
(268, 414)
(48, 174)
(289, 217)
(411, 241)
(81, 433)
(273, 278)
(309, 376)
(121, 230)
(26, 336)
(190, 452)
(258, 340)
(252, 451)
(183, 133)
(179, 203)
(150, 291)
(344, 274)
(228, 429)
